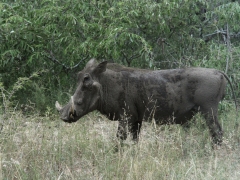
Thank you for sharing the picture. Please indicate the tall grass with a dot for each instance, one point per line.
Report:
(44, 147)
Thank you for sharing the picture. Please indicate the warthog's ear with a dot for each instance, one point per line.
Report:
(101, 67)
(90, 63)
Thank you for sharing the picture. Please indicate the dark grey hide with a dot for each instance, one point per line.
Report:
(132, 96)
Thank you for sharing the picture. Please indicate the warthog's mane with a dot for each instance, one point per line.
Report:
(119, 68)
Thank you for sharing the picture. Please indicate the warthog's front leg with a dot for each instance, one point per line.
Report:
(122, 129)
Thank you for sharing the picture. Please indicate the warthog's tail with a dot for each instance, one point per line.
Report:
(233, 93)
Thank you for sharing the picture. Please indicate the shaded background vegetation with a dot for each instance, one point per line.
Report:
(43, 43)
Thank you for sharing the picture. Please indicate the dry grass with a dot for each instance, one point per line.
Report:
(38, 147)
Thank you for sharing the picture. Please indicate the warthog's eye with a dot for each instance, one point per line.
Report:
(86, 78)
(87, 82)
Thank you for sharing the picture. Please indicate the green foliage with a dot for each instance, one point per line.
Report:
(60, 36)
(9, 96)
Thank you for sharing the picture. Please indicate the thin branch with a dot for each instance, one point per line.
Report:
(224, 36)
(126, 58)
(51, 57)
(216, 32)
(129, 60)
(221, 32)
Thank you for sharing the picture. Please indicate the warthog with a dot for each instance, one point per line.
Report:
(131, 96)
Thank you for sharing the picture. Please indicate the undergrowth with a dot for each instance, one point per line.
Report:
(44, 147)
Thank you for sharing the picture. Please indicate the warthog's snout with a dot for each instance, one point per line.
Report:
(68, 112)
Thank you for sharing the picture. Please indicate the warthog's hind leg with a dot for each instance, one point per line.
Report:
(135, 130)
(211, 116)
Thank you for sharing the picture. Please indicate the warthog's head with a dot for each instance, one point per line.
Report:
(87, 96)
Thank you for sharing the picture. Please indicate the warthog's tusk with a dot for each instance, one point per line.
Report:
(58, 106)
